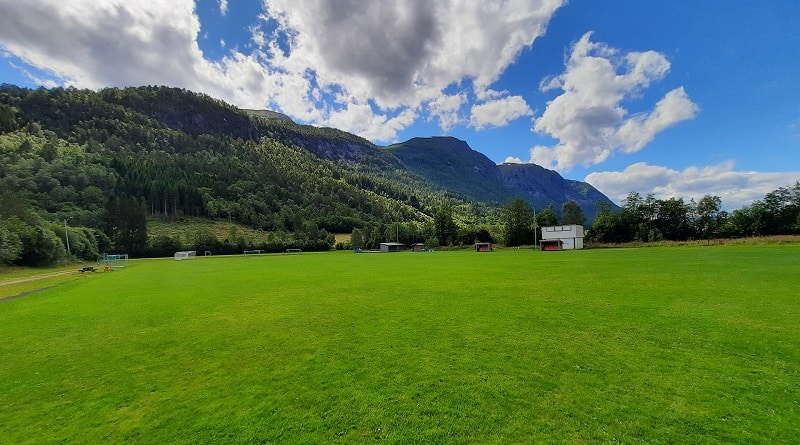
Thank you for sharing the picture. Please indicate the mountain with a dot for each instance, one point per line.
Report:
(446, 163)
(542, 187)
(109, 160)
(451, 164)
(269, 114)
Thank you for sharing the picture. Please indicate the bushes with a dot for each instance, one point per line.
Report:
(10, 245)
(163, 246)
(41, 247)
(85, 243)
(26, 244)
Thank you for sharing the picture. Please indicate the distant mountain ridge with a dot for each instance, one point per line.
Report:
(451, 164)
(444, 161)
(185, 153)
(454, 166)
(537, 184)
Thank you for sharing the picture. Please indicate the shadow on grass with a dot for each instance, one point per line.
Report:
(26, 293)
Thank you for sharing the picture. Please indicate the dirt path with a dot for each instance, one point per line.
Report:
(34, 277)
(29, 279)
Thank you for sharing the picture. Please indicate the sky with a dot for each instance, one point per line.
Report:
(678, 98)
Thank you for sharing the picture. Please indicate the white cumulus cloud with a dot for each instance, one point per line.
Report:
(736, 188)
(385, 64)
(93, 44)
(588, 118)
(638, 131)
(446, 108)
(498, 112)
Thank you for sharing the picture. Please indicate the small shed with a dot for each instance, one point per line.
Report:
(552, 244)
(483, 247)
(571, 236)
(419, 247)
(392, 247)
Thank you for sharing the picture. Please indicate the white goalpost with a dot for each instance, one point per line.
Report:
(115, 260)
(185, 255)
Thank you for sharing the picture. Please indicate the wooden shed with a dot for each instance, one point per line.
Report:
(419, 247)
(392, 247)
(483, 247)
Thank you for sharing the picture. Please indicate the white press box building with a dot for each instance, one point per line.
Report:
(562, 237)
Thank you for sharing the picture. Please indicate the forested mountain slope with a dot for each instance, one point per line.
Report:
(542, 187)
(453, 165)
(100, 164)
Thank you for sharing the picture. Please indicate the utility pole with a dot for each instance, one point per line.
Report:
(66, 235)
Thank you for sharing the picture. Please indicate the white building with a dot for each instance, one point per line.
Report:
(571, 236)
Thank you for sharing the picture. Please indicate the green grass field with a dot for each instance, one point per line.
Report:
(663, 345)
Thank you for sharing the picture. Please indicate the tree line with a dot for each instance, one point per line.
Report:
(646, 219)
(522, 225)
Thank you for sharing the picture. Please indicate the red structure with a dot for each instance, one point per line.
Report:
(552, 244)
(483, 247)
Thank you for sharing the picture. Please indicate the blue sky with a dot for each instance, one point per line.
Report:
(675, 98)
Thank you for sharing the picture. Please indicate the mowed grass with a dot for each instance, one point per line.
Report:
(663, 345)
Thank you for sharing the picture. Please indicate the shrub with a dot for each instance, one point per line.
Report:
(41, 247)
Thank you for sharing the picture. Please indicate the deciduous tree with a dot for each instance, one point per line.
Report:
(519, 223)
